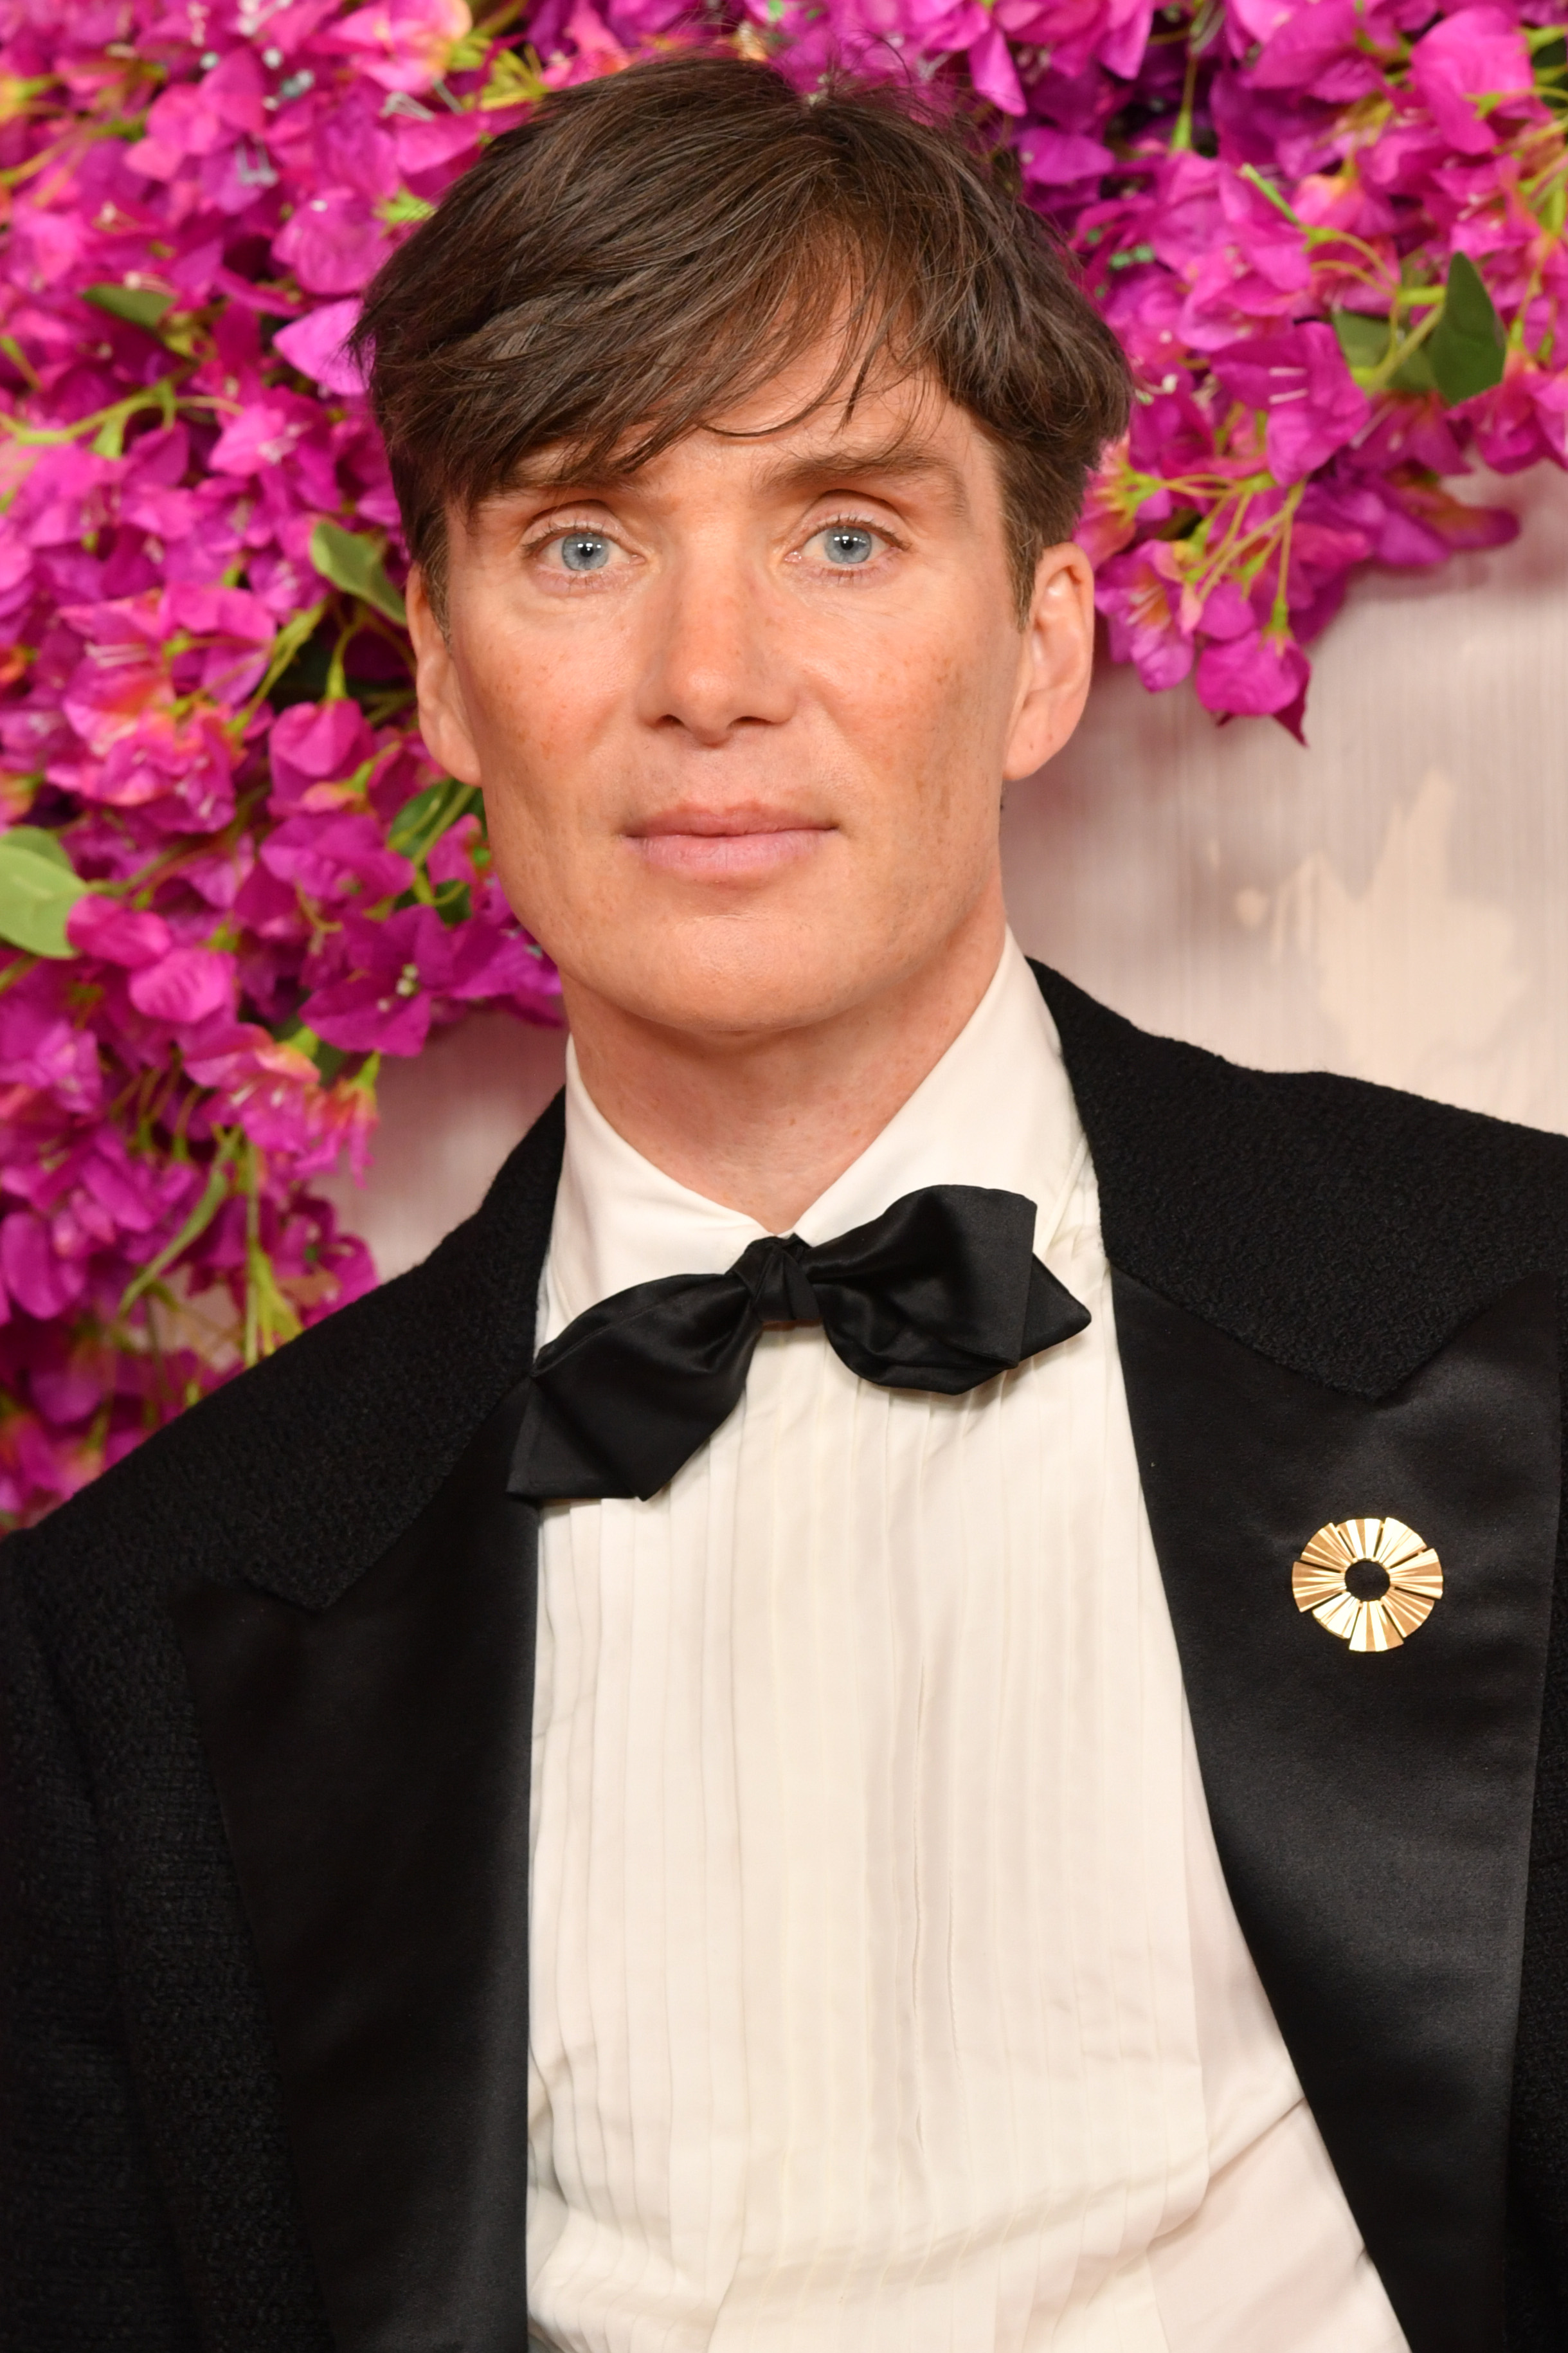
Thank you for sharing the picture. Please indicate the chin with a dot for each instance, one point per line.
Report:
(740, 984)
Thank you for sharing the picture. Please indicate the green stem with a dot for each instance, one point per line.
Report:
(1388, 367)
(196, 1224)
(1182, 136)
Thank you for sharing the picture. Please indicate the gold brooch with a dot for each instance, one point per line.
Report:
(1371, 1582)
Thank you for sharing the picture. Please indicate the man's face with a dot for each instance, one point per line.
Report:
(743, 717)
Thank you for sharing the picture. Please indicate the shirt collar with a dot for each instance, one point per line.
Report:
(996, 1109)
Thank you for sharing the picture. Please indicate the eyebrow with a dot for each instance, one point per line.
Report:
(904, 458)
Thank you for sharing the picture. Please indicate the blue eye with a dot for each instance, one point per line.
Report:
(584, 551)
(849, 543)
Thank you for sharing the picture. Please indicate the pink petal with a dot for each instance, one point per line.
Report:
(315, 345)
(38, 1280)
(1251, 676)
(366, 1016)
(188, 984)
(102, 927)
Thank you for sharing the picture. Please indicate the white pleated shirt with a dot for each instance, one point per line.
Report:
(886, 1996)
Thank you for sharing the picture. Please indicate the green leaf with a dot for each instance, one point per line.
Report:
(39, 844)
(142, 305)
(1363, 340)
(39, 888)
(352, 562)
(421, 822)
(1414, 371)
(1467, 345)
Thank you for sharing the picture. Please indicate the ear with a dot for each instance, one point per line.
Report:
(443, 715)
(1055, 660)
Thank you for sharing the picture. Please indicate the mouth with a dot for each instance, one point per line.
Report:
(738, 844)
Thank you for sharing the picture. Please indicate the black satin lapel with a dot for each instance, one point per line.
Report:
(1372, 1813)
(372, 1763)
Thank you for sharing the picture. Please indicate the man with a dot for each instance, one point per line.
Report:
(908, 1698)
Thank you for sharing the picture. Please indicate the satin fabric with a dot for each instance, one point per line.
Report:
(1373, 1812)
(942, 1293)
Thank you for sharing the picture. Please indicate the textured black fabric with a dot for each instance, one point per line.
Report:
(1345, 1230)
(131, 1991)
(942, 1292)
(372, 1763)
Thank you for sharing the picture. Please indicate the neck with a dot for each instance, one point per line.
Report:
(763, 1121)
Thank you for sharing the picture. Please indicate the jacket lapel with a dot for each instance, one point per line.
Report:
(1333, 1304)
(367, 1720)
(1372, 1811)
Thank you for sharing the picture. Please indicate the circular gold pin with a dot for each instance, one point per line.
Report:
(1371, 1582)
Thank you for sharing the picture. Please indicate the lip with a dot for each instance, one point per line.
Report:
(736, 844)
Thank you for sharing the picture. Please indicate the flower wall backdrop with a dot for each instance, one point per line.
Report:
(1330, 234)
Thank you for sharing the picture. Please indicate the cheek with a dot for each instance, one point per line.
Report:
(930, 714)
(539, 703)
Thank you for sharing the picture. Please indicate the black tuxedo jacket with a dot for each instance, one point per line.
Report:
(268, 1692)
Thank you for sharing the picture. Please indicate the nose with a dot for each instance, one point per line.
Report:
(715, 662)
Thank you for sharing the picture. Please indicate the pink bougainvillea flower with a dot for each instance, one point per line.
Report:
(1524, 419)
(138, 1194)
(1059, 159)
(1320, 49)
(39, 1278)
(1140, 595)
(1313, 403)
(69, 1390)
(385, 1006)
(336, 857)
(264, 434)
(489, 962)
(186, 985)
(1183, 218)
(450, 859)
(595, 49)
(1424, 523)
(315, 345)
(1257, 673)
(42, 1049)
(992, 72)
(312, 748)
(1081, 33)
(334, 243)
(270, 1088)
(102, 927)
(226, 632)
(1462, 67)
(403, 44)
(195, 119)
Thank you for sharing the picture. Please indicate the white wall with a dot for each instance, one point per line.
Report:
(1392, 901)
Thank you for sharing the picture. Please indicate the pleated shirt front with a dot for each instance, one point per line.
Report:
(885, 1993)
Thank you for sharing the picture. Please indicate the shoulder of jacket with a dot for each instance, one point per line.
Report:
(331, 1447)
(1344, 1228)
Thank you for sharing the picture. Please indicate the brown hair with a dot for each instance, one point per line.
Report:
(652, 248)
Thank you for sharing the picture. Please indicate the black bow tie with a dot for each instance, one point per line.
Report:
(942, 1292)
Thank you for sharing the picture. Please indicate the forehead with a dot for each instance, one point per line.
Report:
(803, 426)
